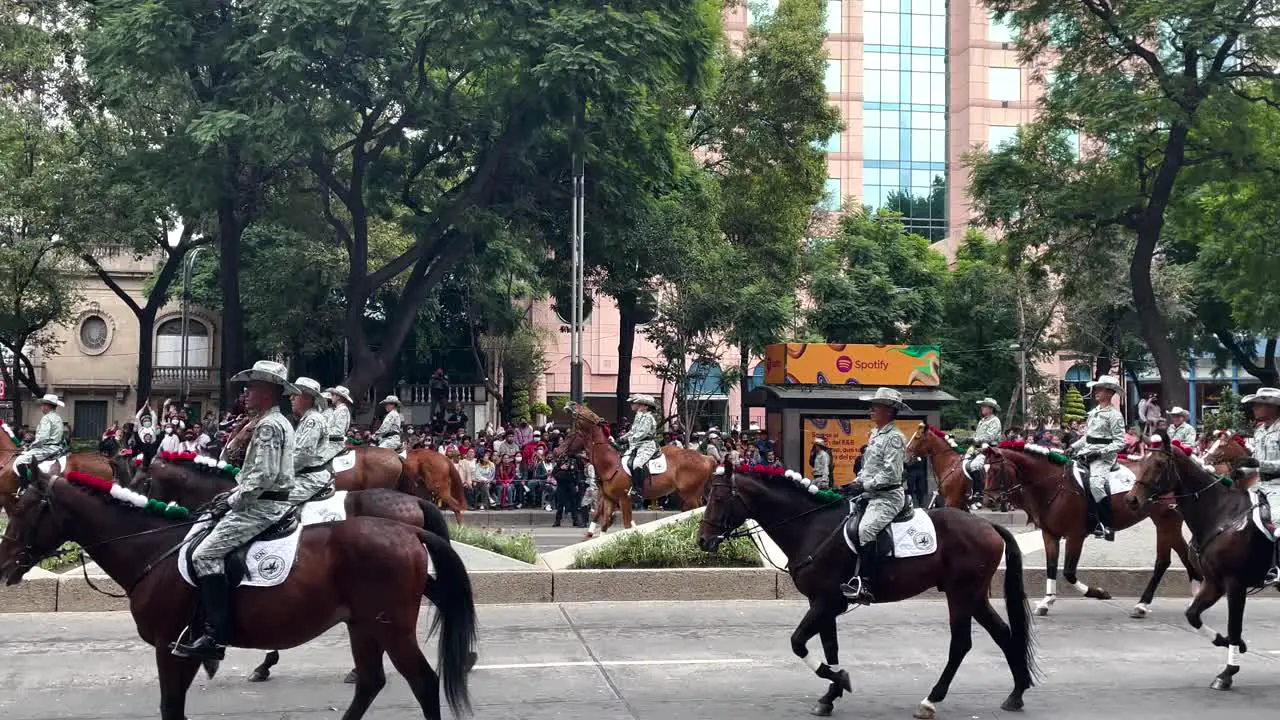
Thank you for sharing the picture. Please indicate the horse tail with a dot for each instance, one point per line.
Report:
(455, 484)
(432, 519)
(457, 618)
(1023, 653)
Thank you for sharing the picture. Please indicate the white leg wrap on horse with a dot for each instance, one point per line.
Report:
(1050, 587)
(1195, 588)
(1232, 652)
(925, 703)
(812, 661)
(1142, 608)
(595, 527)
(1081, 587)
(1208, 632)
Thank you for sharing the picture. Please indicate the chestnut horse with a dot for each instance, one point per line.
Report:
(1233, 551)
(370, 573)
(686, 474)
(86, 462)
(807, 527)
(1053, 501)
(438, 476)
(1225, 449)
(954, 486)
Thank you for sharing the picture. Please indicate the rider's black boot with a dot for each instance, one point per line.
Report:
(1104, 529)
(858, 589)
(637, 483)
(215, 597)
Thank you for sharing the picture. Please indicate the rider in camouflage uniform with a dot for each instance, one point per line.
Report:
(48, 442)
(339, 421)
(1181, 430)
(641, 441)
(1266, 454)
(987, 433)
(1102, 441)
(259, 501)
(879, 485)
(388, 433)
(310, 444)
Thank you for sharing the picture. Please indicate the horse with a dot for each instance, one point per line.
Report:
(964, 554)
(194, 485)
(1234, 553)
(372, 467)
(954, 486)
(86, 462)
(1054, 502)
(370, 573)
(1225, 449)
(439, 476)
(686, 473)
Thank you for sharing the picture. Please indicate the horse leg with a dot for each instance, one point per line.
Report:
(1179, 545)
(412, 664)
(1051, 548)
(627, 521)
(262, 673)
(961, 642)
(1163, 547)
(1235, 643)
(1075, 543)
(370, 678)
(1210, 592)
(175, 675)
(821, 617)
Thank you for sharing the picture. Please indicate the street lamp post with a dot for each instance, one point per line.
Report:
(578, 234)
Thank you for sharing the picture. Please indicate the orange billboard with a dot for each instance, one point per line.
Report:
(846, 437)
(844, 364)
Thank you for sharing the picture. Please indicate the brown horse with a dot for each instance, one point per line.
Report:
(954, 486)
(368, 572)
(1225, 449)
(439, 477)
(1233, 552)
(85, 462)
(1056, 504)
(686, 475)
(808, 528)
(194, 485)
(374, 467)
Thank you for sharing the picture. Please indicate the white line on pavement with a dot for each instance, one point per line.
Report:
(609, 663)
(1029, 542)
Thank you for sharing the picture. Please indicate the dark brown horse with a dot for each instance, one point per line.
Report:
(1054, 502)
(194, 485)
(438, 477)
(686, 475)
(808, 529)
(954, 487)
(370, 573)
(85, 462)
(1233, 552)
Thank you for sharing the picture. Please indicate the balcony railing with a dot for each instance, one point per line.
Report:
(421, 395)
(172, 376)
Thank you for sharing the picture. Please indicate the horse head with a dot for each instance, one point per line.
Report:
(34, 531)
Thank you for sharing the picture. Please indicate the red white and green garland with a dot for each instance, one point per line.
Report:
(12, 435)
(1047, 453)
(801, 481)
(173, 511)
(951, 442)
(202, 460)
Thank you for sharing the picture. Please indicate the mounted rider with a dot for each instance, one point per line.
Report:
(879, 486)
(339, 420)
(259, 501)
(641, 440)
(1102, 441)
(47, 444)
(1179, 429)
(388, 433)
(988, 433)
(1265, 462)
(310, 444)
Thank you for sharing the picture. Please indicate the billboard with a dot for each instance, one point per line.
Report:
(844, 364)
(845, 436)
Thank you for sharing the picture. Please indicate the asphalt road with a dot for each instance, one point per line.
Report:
(707, 661)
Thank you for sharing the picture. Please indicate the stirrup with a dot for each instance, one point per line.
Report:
(856, 590)
(1272, 578)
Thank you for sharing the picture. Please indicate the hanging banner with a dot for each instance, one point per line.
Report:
(843, 364)
(846, 437)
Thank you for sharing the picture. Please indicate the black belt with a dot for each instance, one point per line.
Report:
(390, 434)
(313, 469)
(336, 438)
(1098, 440)
(275, 495)
(1267, 477)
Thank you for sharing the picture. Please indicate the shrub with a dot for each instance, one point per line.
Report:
(541, 408)
(1073, 406)
(672, 546)
(519, 546)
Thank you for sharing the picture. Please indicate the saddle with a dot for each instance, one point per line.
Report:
(237, 561)
(884, 540)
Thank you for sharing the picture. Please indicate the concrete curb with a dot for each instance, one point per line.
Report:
(540, 518)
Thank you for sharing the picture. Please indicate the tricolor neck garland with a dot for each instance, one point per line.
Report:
(803, 482)
(203, 460)
(12, 435)
(951, 441)
(173, 511)
(1049, 454)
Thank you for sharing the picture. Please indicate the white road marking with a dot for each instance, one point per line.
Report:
(1030, 542)
(610, 663)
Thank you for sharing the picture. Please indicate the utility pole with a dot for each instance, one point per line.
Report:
(578, 232)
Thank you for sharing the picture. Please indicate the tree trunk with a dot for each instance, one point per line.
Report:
(744, 362)
(146, 354)
(1266, 372)
(366, 368)
(627, 313)
(15, 395)
(232, 355)
(1154, 329)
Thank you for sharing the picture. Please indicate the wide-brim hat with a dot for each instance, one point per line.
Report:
(307, 386)
(341, 391)
(1264, 396)
(642, 399)
(989, 402)
(268, 371)
(820, 441)
(1106, 382)
(886, 396)
(390, 400)
(1175, 410)
(51, 399)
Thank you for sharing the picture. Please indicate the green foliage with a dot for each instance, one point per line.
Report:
(1073, 406)
(519, 545)
(1229, 416)
(672, 546)
(541, 408)
(520, 408)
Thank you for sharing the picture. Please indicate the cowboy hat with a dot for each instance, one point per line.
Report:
(886, 396)
(820, 441)
(341, 391)
(1264, 396)
(989, 402)
(307, 386)
(267, 371)
(51, 399)
(1106, 382)
(642, 399)
(1175, 410)
(326, 395)
(390, 400)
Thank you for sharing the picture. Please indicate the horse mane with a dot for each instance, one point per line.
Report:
(1239, 440)
(796, 482)
(123, 495)
(1028, 450)
(202, 463)
(936, 432)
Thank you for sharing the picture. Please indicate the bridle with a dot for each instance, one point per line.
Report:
(726, 532)
(1169, 472)
(1006, 468)
(958, 468)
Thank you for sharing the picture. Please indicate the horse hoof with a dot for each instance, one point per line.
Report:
(924, 712)
(842, 679)
(260, 675)
(471, 661)
(350, 679)
(1042, 610)
(1011, 704)
(1139, 612)
(1220, 683)
(822, 709)
(1097, 593)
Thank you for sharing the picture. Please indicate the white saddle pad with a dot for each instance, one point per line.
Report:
(404, 453)
(333, 509)
(267, 564)
(1119, 481)
(344, 461)
(46, 466)
(1273, 500)
(657, 465)
(915, 537)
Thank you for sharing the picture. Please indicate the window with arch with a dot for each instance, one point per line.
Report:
(169, 344)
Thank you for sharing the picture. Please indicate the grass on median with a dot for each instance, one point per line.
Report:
(672, 546)
(518, 545)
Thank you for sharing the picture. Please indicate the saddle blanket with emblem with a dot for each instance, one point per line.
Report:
(46, 466)
(914, 537)
(1119, 480)
(331, 509)
(344, 461)
(267, 563)
(656, 466)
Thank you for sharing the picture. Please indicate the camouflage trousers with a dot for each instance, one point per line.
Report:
(882, 507)
(391, 442)
(233, 531)
(306, 486)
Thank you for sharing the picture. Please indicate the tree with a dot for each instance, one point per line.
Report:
(1227, 416)
(1138, 77)
(1073, 409)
